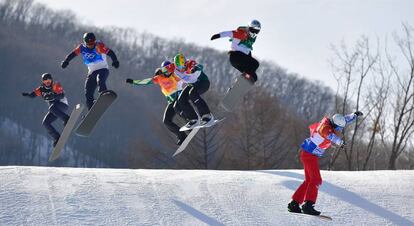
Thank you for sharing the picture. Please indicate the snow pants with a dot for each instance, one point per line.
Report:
(169, 115)
(308, 190)
(193, 92)
(56, 110)
(244, 63)
(95, 79)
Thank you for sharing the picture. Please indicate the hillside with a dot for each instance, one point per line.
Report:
(69, 196)
(35, 39)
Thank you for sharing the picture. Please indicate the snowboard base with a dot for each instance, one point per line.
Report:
(74, 116)
(103, 102)
(235, 93)
(191, 135)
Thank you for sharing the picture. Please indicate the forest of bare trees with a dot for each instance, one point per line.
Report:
(264, 132)
(380, 83)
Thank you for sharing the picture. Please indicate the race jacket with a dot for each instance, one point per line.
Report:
(240, 40)
(193, 72)
(323, 134)
(94, 58)
(50, 94)
(170, 87)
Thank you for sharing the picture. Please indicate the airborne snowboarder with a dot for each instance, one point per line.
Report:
(242, 41)
(322, 135)
(198, 83)
(171, 87)
(94, 54)
(52, 93)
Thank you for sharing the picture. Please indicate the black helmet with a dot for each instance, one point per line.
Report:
(89, 37)
(46, 76)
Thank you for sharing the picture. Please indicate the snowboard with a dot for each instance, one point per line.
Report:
(103, 102)
(322, 217)
(74, 116)
(236, 92)
(191, 135)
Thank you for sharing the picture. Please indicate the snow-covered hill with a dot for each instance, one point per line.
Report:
(75, 196)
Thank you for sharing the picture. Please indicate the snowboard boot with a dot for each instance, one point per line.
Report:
(181, 137)
(191, 124)
(207, 120)
(307, 208)
(293, 207)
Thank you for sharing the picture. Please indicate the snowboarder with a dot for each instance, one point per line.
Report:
(52, 93)
(94, 54)
(241, 48)
(198, 83)
(171, 87)
(322, 135)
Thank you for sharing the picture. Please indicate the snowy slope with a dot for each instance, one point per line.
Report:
(74, 196)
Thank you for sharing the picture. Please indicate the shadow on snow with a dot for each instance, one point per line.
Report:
(344, 195)
(196, 213)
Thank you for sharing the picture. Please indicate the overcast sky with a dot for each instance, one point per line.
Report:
(296, 34)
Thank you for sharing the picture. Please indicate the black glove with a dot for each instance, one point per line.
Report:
(64, 64)
(128, 80)
(343, 145)
(25, 94)
(115, 64)
(216, 36)
(358, 113)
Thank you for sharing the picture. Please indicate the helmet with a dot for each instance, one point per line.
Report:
(179, 61)
(255, 24)
(338, 120)
(89, 38)
(167, 68)
(46, 76)
(254, 28)
(165, 63)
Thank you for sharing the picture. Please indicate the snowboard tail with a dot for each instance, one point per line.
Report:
(103, 102)
(191, 135)
(74, 116)
(235, 93)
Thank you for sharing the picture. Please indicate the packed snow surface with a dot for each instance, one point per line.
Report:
(77, 196)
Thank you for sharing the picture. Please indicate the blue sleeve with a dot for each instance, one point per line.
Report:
(335, 139)
(350, 118)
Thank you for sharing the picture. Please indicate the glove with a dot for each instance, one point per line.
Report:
(128, 80)
(64, 64)
(343, 145)
(115, 64)
(25, 94)
(358, 113)
(216, 36)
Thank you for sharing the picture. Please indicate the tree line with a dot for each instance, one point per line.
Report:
(265, 131)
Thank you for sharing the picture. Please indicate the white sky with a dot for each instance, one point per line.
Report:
(296, 34)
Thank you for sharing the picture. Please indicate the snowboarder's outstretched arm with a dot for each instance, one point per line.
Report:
(238, 34)
(31, 95)
(115, 62)
(70, 57)
(143, 82)
(352, 117)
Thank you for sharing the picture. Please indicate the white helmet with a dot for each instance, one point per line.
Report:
(255, 24)
(339, 120)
